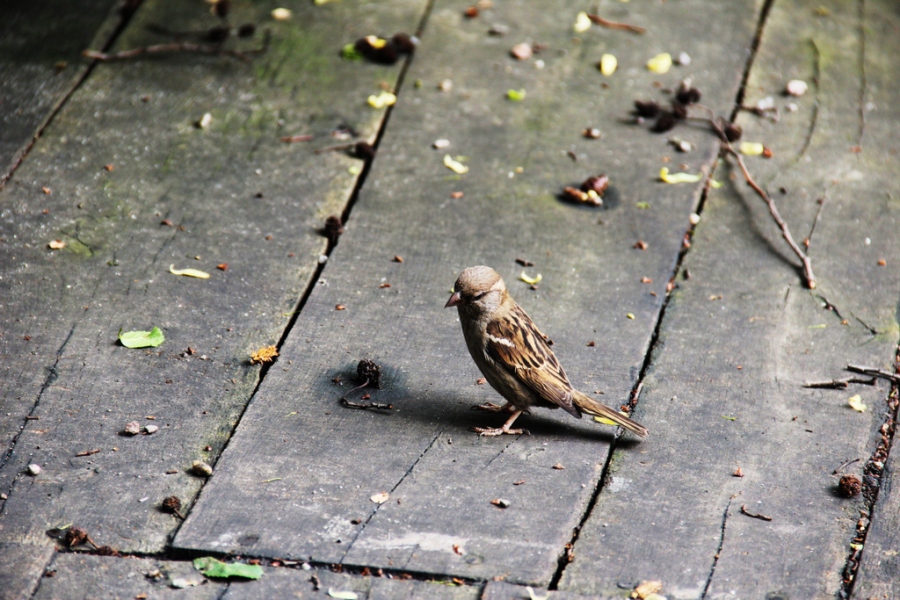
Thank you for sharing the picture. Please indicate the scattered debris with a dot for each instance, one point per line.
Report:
(738, 472)
(212, 567)
(265, 354)
(559, 467)
(660, 64)
(454, 165)
(501, 503)
(172, 505)
(34, 469)
(849, 486)
(855, 402)
(796, 87)
(132, 428)
(382, 100)
(201, 468)
(380, 497)
(646, 589)
(530, 280)
(597, 19)
(282, 14)
(142, 339)
(759, 516)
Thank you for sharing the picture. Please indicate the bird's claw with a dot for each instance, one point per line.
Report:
(491, 407)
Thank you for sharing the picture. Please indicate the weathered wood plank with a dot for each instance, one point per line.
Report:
(295, 583)
(40, 63)
(89, 576)
(233, 194)
(310, 466)
(742, 336)
(499, 590)
(21, 567)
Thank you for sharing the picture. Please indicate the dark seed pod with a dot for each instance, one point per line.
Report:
(679, 112)
(221, 8)
(733, 132)
(377, 50)
(648, 109)
(364, 150)
(75, 536)
(171, 504)
(217, 34)
(688, 95)
(404, 43)
(333, 229)
(849, 486)
(664, 123)
(368, 371)
(597, 183)
(107, 551)
(246, 30)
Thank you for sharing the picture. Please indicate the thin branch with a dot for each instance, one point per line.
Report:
(873, 372)
(178, 47)
(615, 25)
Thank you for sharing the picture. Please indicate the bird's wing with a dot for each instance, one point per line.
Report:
(519, 347)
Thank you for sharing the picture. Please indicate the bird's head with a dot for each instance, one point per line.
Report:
(478, 290)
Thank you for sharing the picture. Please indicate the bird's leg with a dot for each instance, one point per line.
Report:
(493, 431)
(491, 407)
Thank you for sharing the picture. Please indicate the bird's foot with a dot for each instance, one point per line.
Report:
(491, 407)
(495, 431)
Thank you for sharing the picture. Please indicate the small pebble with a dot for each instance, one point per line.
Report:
(34, 469)
(796, 87)
(521, 51)
(441, 144)
(694, 218)
(766, 103)
(684, 59)
(151, 429)
(446, 85)
(500, 503)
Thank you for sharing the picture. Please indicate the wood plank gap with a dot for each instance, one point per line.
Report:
(126, 12)
(754, 48)
(871, 482)
(715, 561)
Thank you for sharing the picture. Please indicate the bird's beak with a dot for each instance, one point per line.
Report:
(455, 300)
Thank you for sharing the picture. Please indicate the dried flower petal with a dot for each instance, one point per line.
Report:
(189, 272)
(661, 63)
(751, 148)
(582, 22)
(608, 64)
(264, 355)
(382, 100)
(454, 165)
(530, 280)
(856, 403)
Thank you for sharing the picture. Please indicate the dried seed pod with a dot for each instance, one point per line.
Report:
(333, 228)
(665, 122)
(597, 183)
(849, 486)
(501, 503)
(679, 112)
(404, 43)
(106, 551)
(647, 109)
(377, 50)
(171, 504)
(246, 30)
(733, 132)
(369, 372)
(364, 150)
(687, 94)
(75, 536)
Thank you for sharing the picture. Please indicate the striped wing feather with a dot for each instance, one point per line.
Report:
(518, 346)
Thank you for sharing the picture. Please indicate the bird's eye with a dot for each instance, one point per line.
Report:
(479, 295)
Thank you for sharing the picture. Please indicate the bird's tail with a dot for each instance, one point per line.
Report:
(596, 409)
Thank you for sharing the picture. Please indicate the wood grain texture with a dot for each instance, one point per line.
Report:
(311, 466)
(41, 63)
(21, 568)
(742, 336)
(232, 193)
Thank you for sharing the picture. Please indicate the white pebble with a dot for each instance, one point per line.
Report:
(34, 469)
(684, 59)
(151, 429)
(441, 144)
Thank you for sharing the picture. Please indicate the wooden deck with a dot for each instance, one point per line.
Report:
(682, 300)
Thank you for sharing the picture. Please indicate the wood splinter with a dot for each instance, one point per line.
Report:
(759, 516)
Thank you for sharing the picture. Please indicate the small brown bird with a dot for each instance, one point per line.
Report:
(514, 357)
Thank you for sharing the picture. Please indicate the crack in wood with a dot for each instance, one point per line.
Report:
(715, 562)
(863, 83)
(391, 491)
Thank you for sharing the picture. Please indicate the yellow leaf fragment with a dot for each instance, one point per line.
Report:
(189, 272)
(264, 355)
(751, 148)
(582, 22)
(608, 64)
(376, 42)
(630, 315)
(645, 589)
(381, 100)
(454, 165)
(856, 403)
(530, 280)
(715, 184)
(380, 497)
(661, 63)
(667, 177)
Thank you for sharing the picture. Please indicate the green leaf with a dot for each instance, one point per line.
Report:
(142, 339)
(516, 95)
(349, 52)
(212, 567)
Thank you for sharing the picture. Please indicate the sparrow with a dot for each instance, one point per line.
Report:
(514, 357)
